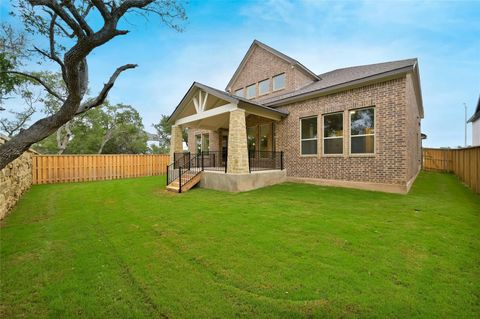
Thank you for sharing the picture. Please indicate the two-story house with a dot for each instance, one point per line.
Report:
(279, 121)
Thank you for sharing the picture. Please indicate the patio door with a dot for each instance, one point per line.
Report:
(224, 147)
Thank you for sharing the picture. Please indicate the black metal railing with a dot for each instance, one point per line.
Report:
(183, 169)
(214, 160)
(185, 166)
(181, 159)
(265, 160)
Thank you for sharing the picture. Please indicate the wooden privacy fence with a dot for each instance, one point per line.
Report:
(78, 168)
(463, 162)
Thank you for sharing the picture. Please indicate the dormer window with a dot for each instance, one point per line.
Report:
(251, 91)
(239, 92)
(264, 87)
(279, 82)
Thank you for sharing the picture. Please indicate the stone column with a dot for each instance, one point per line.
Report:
(176, 141)
(237, 143)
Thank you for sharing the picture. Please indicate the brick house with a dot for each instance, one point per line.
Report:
(278, 121)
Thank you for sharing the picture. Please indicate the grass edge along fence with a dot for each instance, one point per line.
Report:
(463, 162)
(48, 169)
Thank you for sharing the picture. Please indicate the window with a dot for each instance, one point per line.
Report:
(198, 143)
(333, 133)
(362, 131)
(239, 92)
(308, 138)
(202, 143)
(279, 82)
(205, 142)
(264, 87)
(266, 139)
(252, 138)
(251, 91)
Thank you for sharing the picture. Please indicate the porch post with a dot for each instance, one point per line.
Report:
(237, 143)
(176, 141)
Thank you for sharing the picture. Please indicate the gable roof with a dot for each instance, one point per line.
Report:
(476, 115)
(347, 75)
(274, 52)
(222, 95)
(350, 76)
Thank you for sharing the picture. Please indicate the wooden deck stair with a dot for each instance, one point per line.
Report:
(191, 178)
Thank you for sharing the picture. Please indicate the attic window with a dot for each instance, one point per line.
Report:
(279, 82)
(263, 87)
(239, 92)
(251, 91)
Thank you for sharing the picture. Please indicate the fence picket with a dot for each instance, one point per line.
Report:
(78, 168)
(463, 162)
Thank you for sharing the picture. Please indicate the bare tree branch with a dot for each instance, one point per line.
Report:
(55, 7)
(104, 92)
(81, 21)
(102, 8)
(38, 80)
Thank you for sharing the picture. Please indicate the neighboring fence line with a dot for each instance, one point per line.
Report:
(463, 162)
(78, 168)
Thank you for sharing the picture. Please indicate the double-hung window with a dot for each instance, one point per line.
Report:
(308, 136)
(362, 131)
(333, 133)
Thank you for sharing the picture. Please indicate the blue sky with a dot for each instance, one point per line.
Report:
(323, 35)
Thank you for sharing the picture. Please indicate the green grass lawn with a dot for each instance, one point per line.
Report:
(129, 249)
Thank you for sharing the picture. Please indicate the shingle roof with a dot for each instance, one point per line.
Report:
(476, 115)
(344, 76)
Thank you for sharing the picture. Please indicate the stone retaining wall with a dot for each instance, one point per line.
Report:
(15, 179)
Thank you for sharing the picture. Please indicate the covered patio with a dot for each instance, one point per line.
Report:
(218, 140)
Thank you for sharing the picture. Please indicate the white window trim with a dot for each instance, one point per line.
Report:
(246, 91)
(274, 89)
(350, 133)
(308, 139)
(329, 138)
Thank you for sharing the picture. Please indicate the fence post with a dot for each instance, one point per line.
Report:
(281, 160)
(180, 179)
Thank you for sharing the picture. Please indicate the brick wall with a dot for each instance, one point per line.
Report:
(15, 179)
(389, 163)
(413, 130)
(262, 65)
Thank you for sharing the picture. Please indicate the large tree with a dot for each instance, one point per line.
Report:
(111, 129)
(69, 26)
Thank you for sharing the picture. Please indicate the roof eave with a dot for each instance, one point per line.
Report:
(207, 89)
(221, 95)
